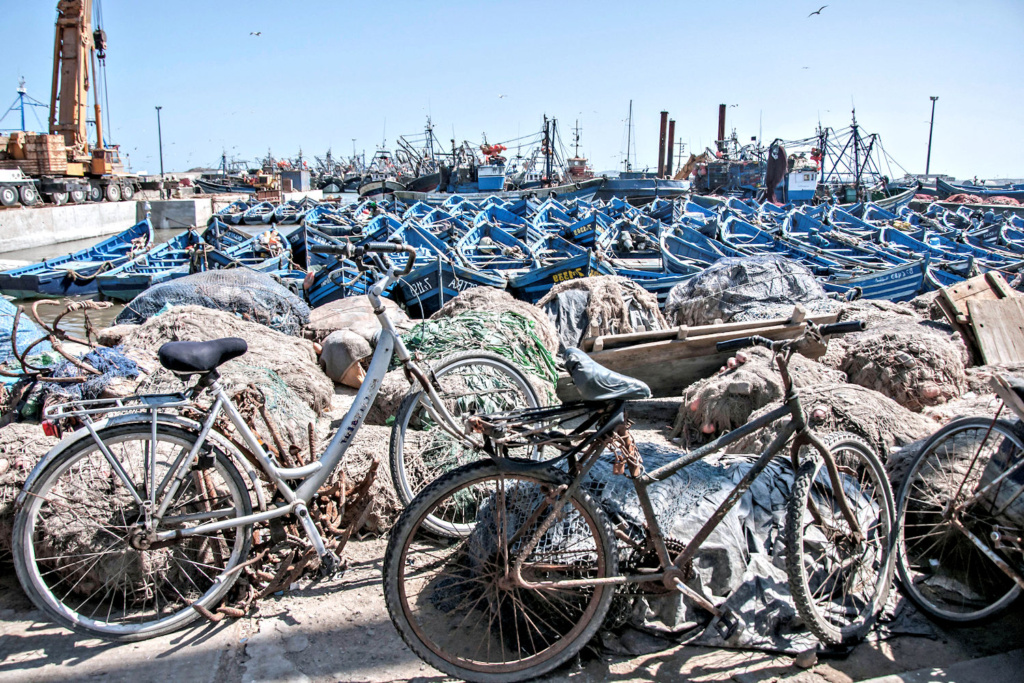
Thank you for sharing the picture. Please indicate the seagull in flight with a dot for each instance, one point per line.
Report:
(805, 67)
(501, 97)
(818, 12)
(734, 105)
(256, 33)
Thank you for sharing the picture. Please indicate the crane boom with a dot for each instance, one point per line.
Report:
(69, 95)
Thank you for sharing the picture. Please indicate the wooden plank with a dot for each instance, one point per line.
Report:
(975, 289)
(669, 366)
(999, 285)
(610, 341)
(999, 328)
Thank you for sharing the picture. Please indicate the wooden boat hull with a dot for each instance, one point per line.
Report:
(533, 285)
(74, 274)
(431, 285)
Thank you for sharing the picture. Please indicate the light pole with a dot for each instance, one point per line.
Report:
(931, 126)
(160, 138)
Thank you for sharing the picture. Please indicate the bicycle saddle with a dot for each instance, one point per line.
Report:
(194, 357)
(597, 383)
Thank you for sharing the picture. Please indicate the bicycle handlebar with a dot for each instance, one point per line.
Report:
(757, 340)
(383, 248)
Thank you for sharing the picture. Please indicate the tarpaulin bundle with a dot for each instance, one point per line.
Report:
(507, 334)
(246, 293)
(111, 363)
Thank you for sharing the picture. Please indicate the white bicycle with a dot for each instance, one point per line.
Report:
(140, 519)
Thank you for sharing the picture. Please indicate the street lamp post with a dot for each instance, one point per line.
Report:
(931, 126)
(160, 138)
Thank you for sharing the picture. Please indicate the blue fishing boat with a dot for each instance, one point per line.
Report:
(560, 261)
(437, 277)
(75, 274)
(174, 258)
(233, 212)
(259, 214)
(289, 213)
(488, 247)
(901, 283)
(681, 257)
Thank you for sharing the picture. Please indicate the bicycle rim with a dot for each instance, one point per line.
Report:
(839, 582)
(450, 599)
(473, 384)
(73, 551)
(941, 569)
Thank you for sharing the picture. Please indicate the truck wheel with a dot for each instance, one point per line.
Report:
(28, 195)
(78, 196)
(59, 198)
(95, 193)
(112, 193)
(127, 192)
(8, 195)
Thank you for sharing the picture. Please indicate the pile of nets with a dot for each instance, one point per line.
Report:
(499, 301)
(252, 296)
(507, 334)
(747, 288)
(725, 401)
(28, 332)
(594, 306)
(884, 424)
(21, 447)
(915, 370)
(112, 365)
(283, 367)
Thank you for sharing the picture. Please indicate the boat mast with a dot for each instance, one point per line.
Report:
(576, 139)
(547, 151)
(856, 156)
(629, 134)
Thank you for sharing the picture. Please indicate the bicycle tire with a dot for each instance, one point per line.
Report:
(827, 618)
(421, 618)
(924, 572)
(91, 492)
(411, 471)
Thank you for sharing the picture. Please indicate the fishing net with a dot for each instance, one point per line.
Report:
(28, 332)
(507, 334)
(246, 293)
(725, 401)
(745, 288)
(595, 306)
(883, 423)
(21, 447)
(112, 365)
(913, 369)
(494, 300)
(283, 367)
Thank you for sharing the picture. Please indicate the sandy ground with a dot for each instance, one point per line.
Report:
(339, 630)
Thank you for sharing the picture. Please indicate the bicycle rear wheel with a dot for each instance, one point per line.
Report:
(941, 569)
(453, 600)
(840, 582)
(76, 549)
(469, 383)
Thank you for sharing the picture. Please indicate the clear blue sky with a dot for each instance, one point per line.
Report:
(323, 73)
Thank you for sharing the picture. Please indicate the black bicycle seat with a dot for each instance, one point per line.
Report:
(597, 383)
(196, 357)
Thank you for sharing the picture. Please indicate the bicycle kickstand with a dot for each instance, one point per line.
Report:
(329, 561)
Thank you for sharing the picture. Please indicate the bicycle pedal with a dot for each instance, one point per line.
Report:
(331, 564)
(727, 624)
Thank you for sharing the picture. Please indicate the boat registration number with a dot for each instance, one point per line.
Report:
(570, 274)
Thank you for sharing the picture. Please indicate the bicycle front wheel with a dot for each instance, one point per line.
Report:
(468, 383)
(840, 580)
(455, 602)
(942, 570)
(77, 548)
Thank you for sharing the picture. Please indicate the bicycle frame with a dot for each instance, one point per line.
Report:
(672, 574)
(311, 476)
